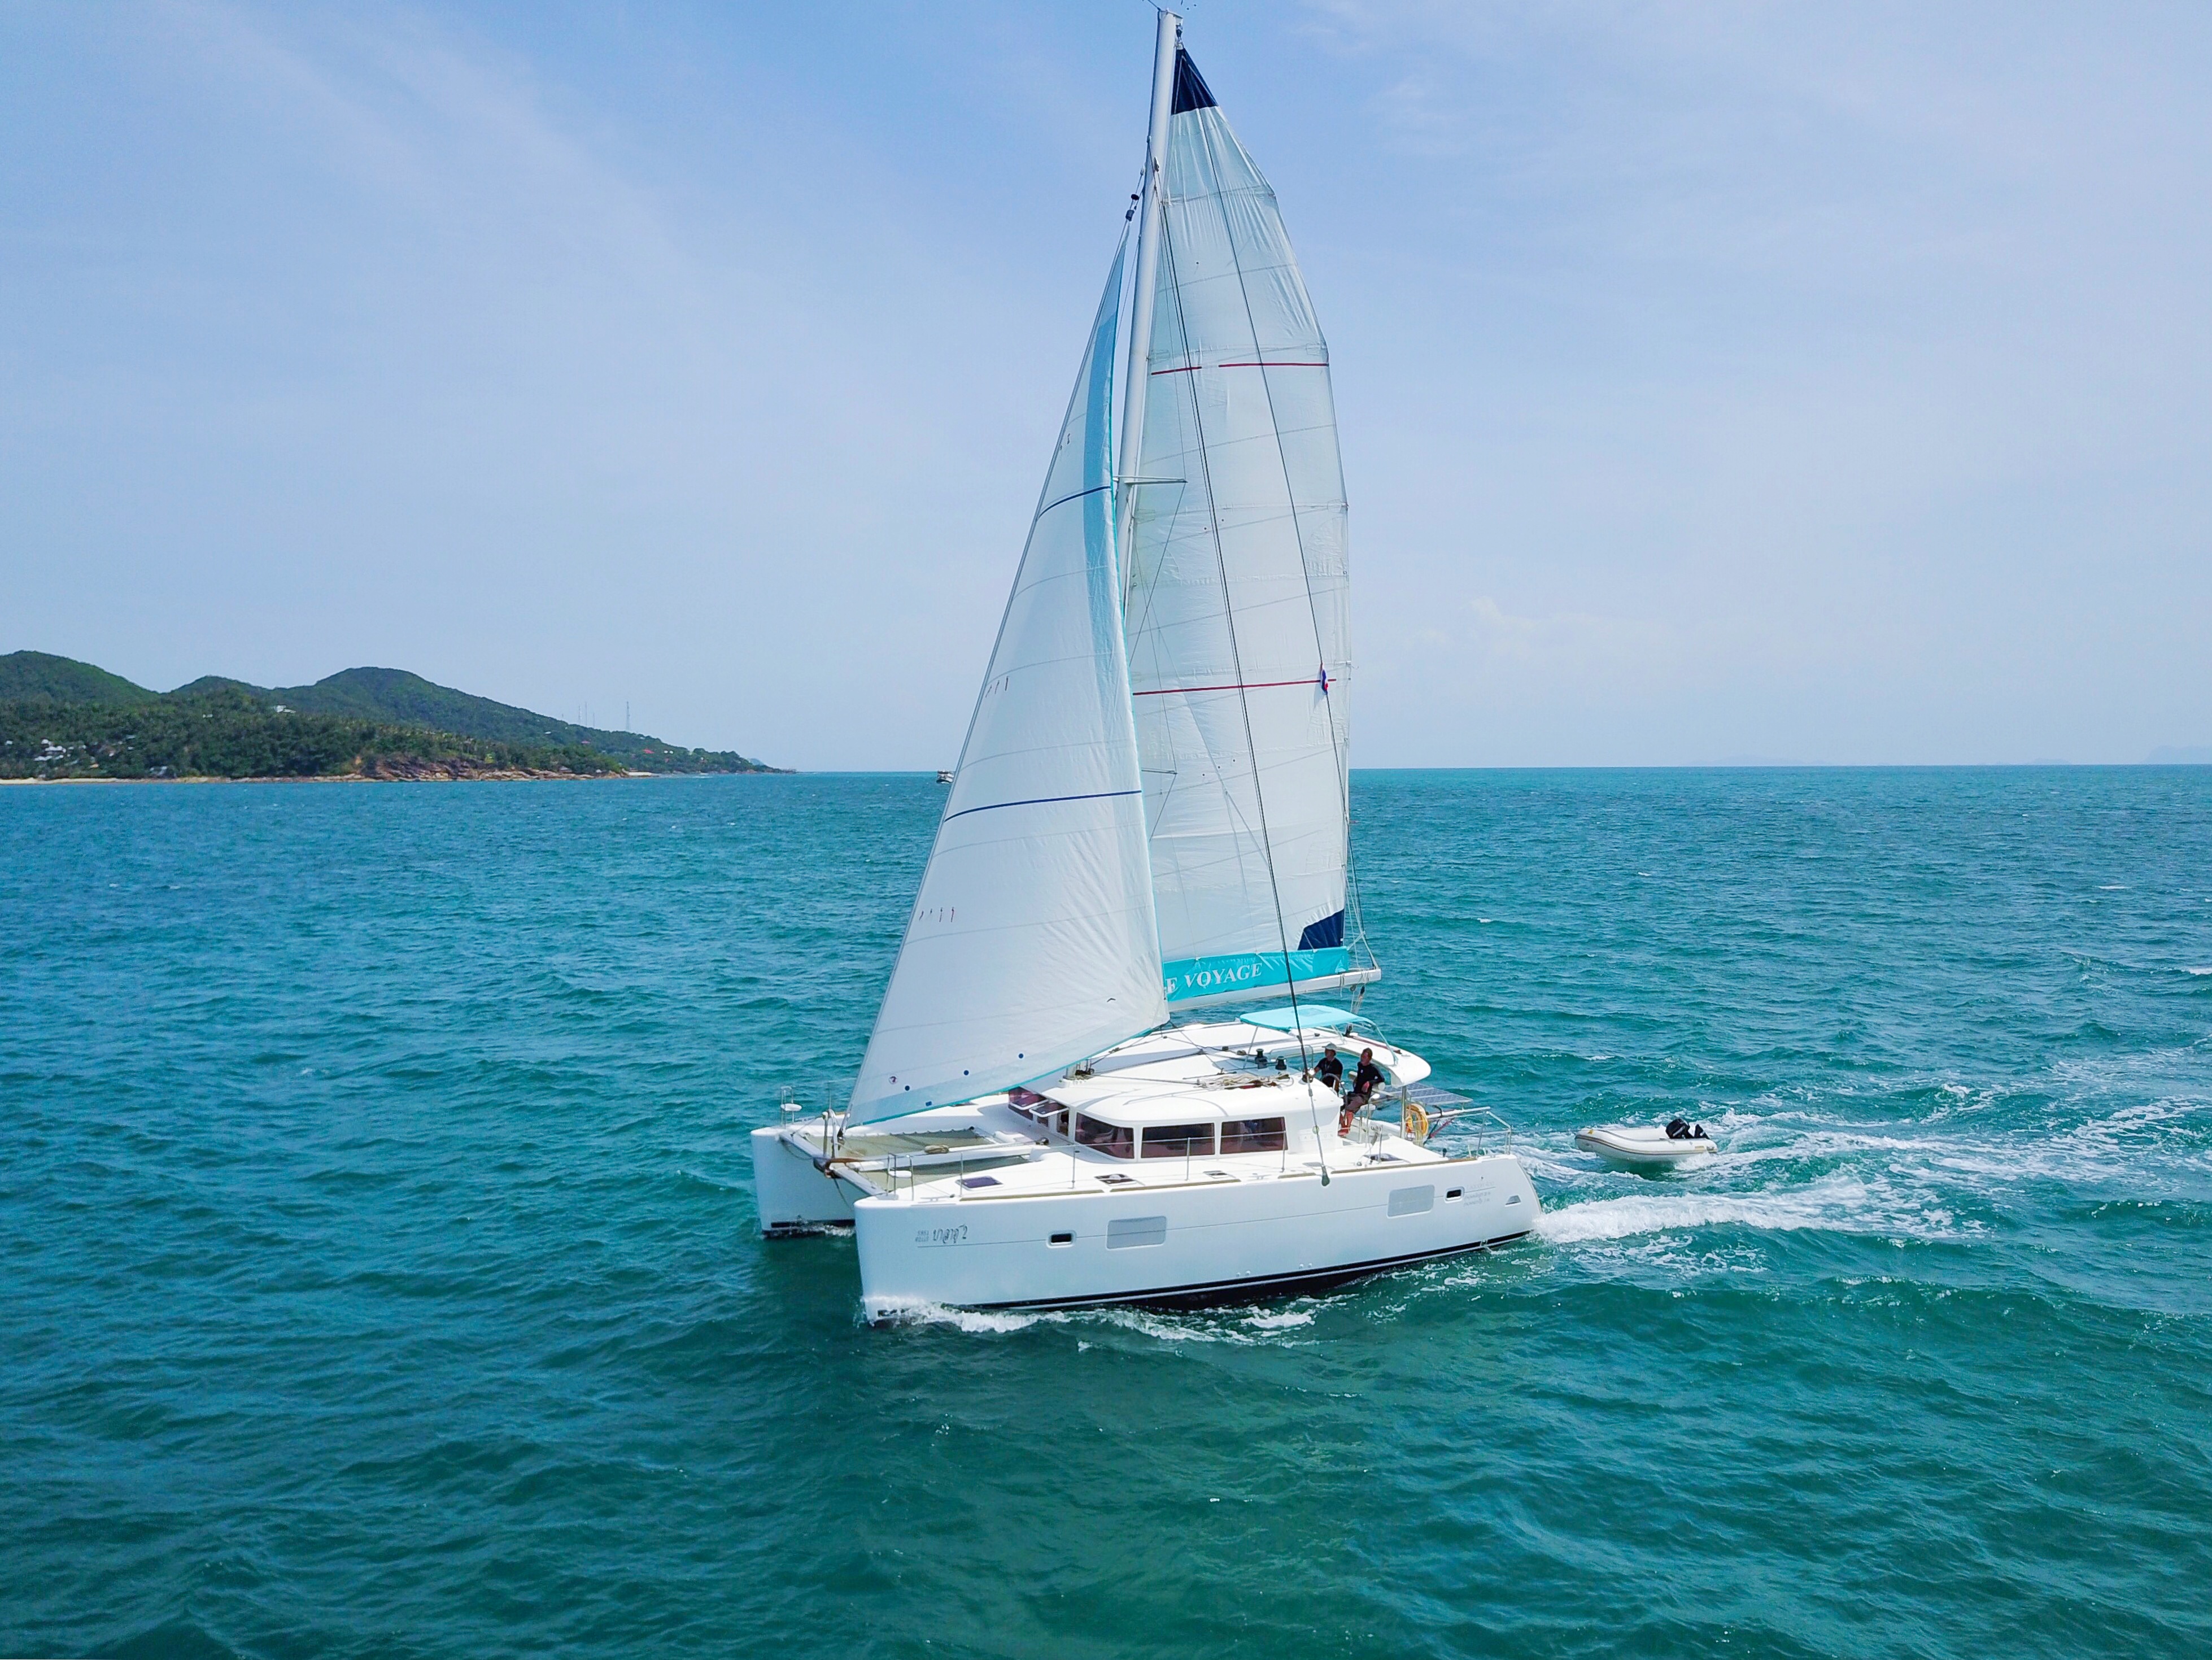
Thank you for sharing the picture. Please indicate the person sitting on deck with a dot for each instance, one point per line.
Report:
(1330, 1070)
(1368, 1078)
(1364, 1082)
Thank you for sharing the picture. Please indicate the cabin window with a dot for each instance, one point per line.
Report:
(1179, 1141)
(1039, 1109)
(1254, 1135)
(1412, 1201)
(1126, 1231)
(1115, 1140)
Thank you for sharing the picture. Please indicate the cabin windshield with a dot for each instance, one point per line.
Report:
(1179, 1141)
(1115, 1140)
(1253, 1135)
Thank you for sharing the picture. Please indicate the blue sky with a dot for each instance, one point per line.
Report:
(1815, 383)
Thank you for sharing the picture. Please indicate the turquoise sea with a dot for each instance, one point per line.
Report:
(378, 1270)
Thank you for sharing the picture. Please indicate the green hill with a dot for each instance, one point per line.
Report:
(396, 695)
(381, 701)
(225, 734)
(29, 674)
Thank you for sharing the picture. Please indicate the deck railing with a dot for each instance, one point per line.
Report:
(1424, 1111)
(824, 1098)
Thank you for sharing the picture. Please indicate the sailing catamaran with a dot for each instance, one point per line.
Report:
(1151, 818)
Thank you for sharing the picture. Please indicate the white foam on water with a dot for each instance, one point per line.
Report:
(916, 1312)
(2197, 970)
(2145, 1140)
(1262, 1324)
(1875, 1185)
(1841, 1204)
(1265, 1324)
(1165, 1327)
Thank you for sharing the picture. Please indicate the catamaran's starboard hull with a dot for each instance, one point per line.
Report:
(1197, 1245)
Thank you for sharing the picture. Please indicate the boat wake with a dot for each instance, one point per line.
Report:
(980, 1321)
(1949, 1178)
(1840, 1204)
(1245, 1324)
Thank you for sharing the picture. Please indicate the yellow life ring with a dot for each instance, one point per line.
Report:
(1416, 1122)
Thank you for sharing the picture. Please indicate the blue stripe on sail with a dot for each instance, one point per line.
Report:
(1329, 931)
(1255, 971)
(1039, 801)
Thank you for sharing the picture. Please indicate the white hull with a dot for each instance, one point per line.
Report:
(1191, 1245)
(972, 1207)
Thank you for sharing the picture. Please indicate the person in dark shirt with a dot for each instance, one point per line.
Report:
(1364, 1082)
(1369, 1079)
(1330, 1069)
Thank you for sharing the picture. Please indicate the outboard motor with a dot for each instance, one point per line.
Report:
(1678, 1129)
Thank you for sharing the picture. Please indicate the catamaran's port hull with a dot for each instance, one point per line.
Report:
(1194, 1245)
(794, 1196)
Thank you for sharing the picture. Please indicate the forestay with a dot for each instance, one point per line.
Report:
(1031, 945)
(1238, 586)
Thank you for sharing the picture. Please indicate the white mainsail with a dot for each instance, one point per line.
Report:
(1237, 588)
(1032, 942)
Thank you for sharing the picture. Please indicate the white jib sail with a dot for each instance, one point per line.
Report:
(1238, 589)
(1032, 943)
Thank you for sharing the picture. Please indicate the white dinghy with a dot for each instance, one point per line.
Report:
(1149, 817)
(1647, 1146)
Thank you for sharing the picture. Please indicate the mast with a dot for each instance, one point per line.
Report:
(1138, 361)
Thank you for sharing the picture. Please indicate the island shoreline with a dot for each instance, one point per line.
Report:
(422, 778)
